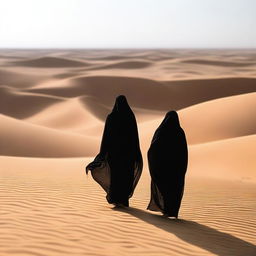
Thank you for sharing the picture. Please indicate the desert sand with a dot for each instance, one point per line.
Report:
(53, 106)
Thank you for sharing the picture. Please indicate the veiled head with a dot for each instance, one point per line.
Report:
(121, 104)
(172, 118)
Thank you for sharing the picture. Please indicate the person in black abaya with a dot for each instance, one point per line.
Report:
(167, 159)
(118, 166)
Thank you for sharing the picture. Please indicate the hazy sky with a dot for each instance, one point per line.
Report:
(128, 23)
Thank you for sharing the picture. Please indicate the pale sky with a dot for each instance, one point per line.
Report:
(128, 23)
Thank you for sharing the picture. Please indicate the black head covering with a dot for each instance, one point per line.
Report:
(118, 166)
(167, 158)
(171, 121)
(172, 118)
(121, 105)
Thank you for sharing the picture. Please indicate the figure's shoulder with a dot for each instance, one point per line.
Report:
(110, 116)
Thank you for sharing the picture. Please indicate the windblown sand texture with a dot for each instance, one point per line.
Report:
(53, 105)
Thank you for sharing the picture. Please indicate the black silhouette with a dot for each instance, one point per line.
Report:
(118, 166)
(167, 158)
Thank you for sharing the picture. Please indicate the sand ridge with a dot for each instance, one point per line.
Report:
(52, 62)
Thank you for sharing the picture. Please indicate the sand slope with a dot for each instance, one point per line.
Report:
(219, 119)
(21, 105)
(67, 115)
(228, 159)
(19, 138)
(19, 80)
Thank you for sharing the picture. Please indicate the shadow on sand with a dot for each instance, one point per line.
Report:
(207, 238)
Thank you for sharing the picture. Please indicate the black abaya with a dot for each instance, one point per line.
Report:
(118, 166)
(168, 158)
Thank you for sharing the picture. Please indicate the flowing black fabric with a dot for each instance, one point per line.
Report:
(118, 166)
(167, 159)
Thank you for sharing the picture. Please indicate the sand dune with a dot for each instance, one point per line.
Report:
(111, 57)
(10, 57)
(173, 94)
(227, 159)
(109, 88)
(67, 115)
(145, 56)
(67, 74)
(50, 62)
(124, 65)
(220, 119)
(18, 138)
(98, 109)
(190, 92)
(19, 80)
(21, 105)
(203, 122)
(106, 55)
(50, 129)
(218, 63)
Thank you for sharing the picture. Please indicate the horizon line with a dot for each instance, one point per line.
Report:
(127, 48)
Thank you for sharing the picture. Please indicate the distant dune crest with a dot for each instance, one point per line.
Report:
(218, 63)
(50, 62)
